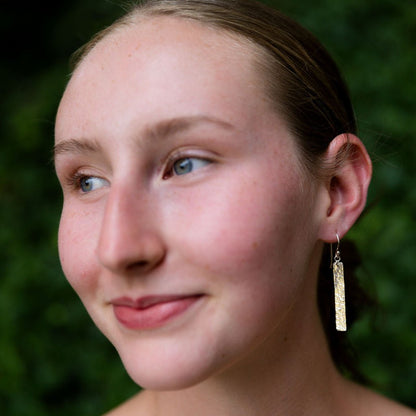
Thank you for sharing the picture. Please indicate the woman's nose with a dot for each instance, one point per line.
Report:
(129, 240)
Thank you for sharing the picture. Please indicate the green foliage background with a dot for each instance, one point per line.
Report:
(52, 359)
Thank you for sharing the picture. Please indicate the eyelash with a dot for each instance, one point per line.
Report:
(170, 165)
(74, 180)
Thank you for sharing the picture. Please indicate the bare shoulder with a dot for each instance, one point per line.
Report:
(138, 405)
(388, 407)
(372, 403)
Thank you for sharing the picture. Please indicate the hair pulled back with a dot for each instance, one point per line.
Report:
(301, 79)
(303, 84)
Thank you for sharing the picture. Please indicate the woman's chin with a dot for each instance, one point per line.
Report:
(165, 380)
(171, 368)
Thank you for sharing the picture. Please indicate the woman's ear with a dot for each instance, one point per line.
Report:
(347, 186)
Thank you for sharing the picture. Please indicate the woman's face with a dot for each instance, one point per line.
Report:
(188, 227)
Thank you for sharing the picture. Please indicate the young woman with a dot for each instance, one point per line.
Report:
(207, 152)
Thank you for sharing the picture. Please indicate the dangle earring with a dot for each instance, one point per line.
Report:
(339, 289)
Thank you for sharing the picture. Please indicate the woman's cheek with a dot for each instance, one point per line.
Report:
(76, 243)
(243, 230)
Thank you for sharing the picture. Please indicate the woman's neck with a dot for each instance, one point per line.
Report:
(291, 374)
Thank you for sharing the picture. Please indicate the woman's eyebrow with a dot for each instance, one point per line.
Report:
(170, 127)
(160, 130)
(76, 146)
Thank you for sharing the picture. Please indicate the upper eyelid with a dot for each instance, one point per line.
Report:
(67, 161)
(69, 174)
(190, 153)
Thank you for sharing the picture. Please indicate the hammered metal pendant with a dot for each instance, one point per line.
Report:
(339, 288)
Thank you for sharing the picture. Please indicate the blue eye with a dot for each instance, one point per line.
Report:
(91, 183)
(188, 165)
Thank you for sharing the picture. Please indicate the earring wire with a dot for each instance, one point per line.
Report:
(337, 253)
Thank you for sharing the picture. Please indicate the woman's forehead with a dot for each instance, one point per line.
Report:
(164, 61)
(173, 34)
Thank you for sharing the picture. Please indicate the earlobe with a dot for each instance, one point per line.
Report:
(347, 185)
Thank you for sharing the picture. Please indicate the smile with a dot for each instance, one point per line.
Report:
(152, 311)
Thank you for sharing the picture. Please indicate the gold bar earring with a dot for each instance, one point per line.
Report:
(339, 289)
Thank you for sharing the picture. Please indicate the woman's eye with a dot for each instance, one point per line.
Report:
(91, 183)
(188, 164)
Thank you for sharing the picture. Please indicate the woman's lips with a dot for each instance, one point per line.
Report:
(151, 311)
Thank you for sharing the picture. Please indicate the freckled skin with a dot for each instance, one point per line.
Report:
(242, 230)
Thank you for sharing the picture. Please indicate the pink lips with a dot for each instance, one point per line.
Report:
(150, 311)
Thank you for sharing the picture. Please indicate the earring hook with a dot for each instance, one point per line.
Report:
(337, 253)
(337, 257)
